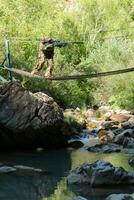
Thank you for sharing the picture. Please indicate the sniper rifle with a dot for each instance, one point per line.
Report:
(60, 44)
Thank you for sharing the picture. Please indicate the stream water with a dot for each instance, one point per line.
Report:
(52, 185)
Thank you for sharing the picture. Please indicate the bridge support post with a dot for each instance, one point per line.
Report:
(8, 58)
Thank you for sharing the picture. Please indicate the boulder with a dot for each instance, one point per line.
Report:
(26, 170)
(100, 173)
(119, 117)
(29, 120)
(109, 124)
(79, 198)
(7, 169)
(119, 139)
(131, 120)
(119, 197)
(20, 170)
(75, 144)
(117, 131)
(128, 143)
(128, 124)
(105, 148)
(105, 135)
(131, 161)
(90, 113)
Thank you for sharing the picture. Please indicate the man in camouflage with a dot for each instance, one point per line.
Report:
(46, 54)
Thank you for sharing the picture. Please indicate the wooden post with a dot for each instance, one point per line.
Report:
(8, 58)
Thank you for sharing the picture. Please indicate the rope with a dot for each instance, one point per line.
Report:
(72, 77)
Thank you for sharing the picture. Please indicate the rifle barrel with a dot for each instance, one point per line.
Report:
(74, 42)
(61, 44)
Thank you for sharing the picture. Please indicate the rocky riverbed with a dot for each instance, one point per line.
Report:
(100, 173)
(113, 130)
(35, 121)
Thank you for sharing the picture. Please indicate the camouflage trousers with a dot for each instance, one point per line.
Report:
(42, 60)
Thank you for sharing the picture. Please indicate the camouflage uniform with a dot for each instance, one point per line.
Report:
(46, 54)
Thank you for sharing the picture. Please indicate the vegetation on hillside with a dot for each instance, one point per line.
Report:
(106, 29)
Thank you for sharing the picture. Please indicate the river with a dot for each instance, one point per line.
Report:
(52, 185)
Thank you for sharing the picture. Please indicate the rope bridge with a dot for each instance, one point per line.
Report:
(10, 69)
(71, 77)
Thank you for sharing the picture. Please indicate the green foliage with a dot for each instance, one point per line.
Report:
(105, 27)
(123, 95)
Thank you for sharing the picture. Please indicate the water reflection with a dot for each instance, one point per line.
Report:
(52, 186)
(64, 192)
(61, 192)
(33, 187)
(28, 188)
(100, 193)
(117, 159)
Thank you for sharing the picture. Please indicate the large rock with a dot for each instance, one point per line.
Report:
(119, 139)
(119, 117)
(128, 143)
(105, 136)
(105, 148)
(20, 170)
(131, 161)
(79, 198)
(27, 119)
(131, 120)
(119, 197)
(109, 124)
(128, 124)
(100, 173)
(6, 169)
